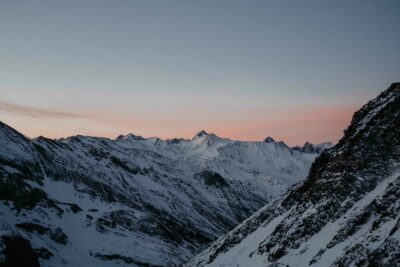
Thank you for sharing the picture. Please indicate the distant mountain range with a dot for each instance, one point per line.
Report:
(346, 213)
(86, 201)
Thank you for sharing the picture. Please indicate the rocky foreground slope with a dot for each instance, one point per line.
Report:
(347, 211)
(85, 201)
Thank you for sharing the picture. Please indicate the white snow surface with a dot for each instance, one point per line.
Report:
(157, 193)
(245, 253)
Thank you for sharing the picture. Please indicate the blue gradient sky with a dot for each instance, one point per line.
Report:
(295, 70)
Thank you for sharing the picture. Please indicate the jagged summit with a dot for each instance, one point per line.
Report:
(311, 148)
(308, 147)
(364, 117)
(178, 194)
(208, 139)
(6, 129)
(130, 136)
(269, 139)
(201, 133)
(346, 213)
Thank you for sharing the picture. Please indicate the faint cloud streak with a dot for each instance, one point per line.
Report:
(37, 112)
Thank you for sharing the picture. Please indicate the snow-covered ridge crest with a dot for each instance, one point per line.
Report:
(89, 201)
(362, 117)
(346, 212)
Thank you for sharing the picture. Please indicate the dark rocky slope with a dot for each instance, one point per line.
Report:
(85, 201)
(347, 211)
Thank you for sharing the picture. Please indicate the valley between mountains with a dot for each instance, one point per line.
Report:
(132, 201)
(207, 201)
(345, 213)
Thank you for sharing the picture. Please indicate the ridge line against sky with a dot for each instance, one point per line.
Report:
(294, 70)
(51, 119)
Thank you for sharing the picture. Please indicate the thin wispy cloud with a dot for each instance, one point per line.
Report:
(37, 112)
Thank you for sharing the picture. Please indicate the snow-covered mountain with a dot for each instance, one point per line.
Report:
(346, 212)
(85, 201)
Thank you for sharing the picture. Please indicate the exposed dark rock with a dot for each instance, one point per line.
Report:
(121, 164)
(125, 259)
(355, 171)
(33, 227)
(58, 236)
(201, 133)
(212, 179)
(75, 208)
(43, 253)
(269, 140)
(18, 252)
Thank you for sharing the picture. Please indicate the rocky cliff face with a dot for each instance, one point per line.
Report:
(346, 212)
(84, 201)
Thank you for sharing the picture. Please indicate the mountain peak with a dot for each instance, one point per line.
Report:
(130, 136)
(364, 117)
(8, 130)
(308, 147)
(269, 139)
(342, 214)
(135, 187)
(201, 133)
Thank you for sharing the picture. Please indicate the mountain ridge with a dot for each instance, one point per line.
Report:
(64, 195)
(345, 213)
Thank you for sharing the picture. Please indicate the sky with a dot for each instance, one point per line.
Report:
(293, 70)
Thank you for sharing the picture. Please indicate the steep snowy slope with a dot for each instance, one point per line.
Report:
(347, 211)
(84, 201)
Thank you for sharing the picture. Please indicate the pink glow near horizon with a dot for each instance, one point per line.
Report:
(243, 71)
(293, 125)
